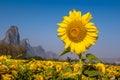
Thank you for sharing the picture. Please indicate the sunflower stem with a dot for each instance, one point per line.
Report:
(81, 66)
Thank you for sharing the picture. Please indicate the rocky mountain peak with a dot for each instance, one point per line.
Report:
(25, 42)
(12, 36)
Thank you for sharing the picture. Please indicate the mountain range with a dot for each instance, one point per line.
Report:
(12, 37)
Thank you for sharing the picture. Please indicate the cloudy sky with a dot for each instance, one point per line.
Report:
(37, 19)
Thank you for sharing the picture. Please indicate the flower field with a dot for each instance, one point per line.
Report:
(78, 34)
(14, 69)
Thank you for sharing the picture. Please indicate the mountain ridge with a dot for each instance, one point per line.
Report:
(12, 37)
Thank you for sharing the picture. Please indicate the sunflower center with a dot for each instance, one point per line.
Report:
(76, 32)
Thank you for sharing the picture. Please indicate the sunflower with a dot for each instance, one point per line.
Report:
(77, 32)
(101, 67)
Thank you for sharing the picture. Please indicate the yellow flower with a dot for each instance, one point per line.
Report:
(84, 77)
(49, 64)
(38, 77)
(65, 64)
(70, 74)
(33, 67)
(4, 69)
(76, 67)
(100, 67)
(14, 73)
(77, 32)
(7, 77)
(13, 67)
(3, 58)
(58, 68)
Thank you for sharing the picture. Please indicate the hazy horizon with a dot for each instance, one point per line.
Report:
(37, 19)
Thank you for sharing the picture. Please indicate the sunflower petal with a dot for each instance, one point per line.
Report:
(66, 19)
(62, 25)
(61, 30)
(86, 18)
(63, 37)
(93, 34)
(72, 47)
(67, 43)
(61, 33)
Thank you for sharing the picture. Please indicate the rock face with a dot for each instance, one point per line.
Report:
(39, 51)
(25, 43)
(12, 36)
(51, 55)
(32, 51)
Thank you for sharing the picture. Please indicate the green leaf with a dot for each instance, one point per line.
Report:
(65, 51)
(91, 78)
(9, 56)
(91, 57)
(67, 70)
(92, 73)
(105, 78)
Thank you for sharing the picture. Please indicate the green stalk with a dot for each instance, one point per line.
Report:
(81, 66)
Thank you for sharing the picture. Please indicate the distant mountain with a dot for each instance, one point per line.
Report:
(39, 51)
(25, 43)
(117, 61)
(108, 60)
(33, 51)
(12, 37)
(50, 55)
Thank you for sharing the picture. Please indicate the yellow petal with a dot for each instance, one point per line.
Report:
(62, 25)
(89, 24)
(79, 14)
(67, 43)
(92, 30)
(75, 15)
(63, 37)
(91, 27)
(90, 41)
(80, 48)
(86, 18)
(87, 45)
(72, 47)
(77, 50)
(66, 19)
(72, 14)
(91, 38)
(61, 33)
(92, 34)
(61, 30)
(83, 49)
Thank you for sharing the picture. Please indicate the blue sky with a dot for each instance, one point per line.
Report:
(37, 19)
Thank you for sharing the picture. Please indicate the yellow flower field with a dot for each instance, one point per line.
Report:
(14, 69)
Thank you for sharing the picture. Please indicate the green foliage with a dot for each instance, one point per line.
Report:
(65, 51)
(92, 73)
(92, 58)
(24, 73)
(67, 70)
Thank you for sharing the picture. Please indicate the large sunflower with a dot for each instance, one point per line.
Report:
(77, 32)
